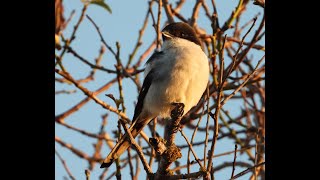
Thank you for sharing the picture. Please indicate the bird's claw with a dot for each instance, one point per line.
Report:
(177, 111)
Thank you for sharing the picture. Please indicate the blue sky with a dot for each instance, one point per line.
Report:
(123, 26)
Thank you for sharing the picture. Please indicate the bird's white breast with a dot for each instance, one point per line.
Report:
(181, 75)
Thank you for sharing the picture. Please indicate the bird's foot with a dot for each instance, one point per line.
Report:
(176, 113)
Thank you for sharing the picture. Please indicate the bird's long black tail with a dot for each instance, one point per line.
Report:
(124, 143)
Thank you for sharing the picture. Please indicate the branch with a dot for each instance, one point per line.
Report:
(195, 12)
(77, 152)
(139, 41)
(138, 149)
(191, 148)
(194, 175)
(168, 11)
(172, 152)
(101, 37)
(234, 159)
(72, 110)
(65, 165)
(158, 24)
(93, 96)
(246, 171)
(89, 63)
(72, 37)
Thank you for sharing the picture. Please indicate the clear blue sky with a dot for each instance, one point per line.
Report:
(123, 26)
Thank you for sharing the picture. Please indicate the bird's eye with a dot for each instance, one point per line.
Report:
(182, 34)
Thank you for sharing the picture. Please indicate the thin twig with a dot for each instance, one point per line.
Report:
(93, 66)
(243, 84)
(253, 41)
(139, 41)
(194, 175)
(216, 114)
(234, 159)
(246, 171)
(76, 151)
(191, 148)
(76, 107)
(101, 37)
(72, 37)
(93, 96)
(103, 136)
(65, 166)
(207, 128)
(215, 156)
(65, 92)
(158, 24)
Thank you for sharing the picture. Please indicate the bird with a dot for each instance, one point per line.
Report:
(178, 73)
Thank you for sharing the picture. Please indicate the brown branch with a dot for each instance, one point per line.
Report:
(72, 37)
(93, 66)
(191, 148)
(216, 114)
(179, 5)
(172, 152)
(234, 160)
(247, 170)
(99, 144)
(230, 164)
(69, 19)
(215, 156)
(101, 37)
(158, 24)
(75, 108)
(139, 41)
(232, 17)
(256, 46)
(168, 11)
(65, 92)
(93, 96)
(195, 13)
(114, 173)
(194, 175)
(102, 136)
(207, 127)
(146, 53)
(137, 163)
(103, 174)
(253, 41)
(178, 15)
(193, 135)
(206, 9)
(130, 163)
(77, 152)
(65, 166)
(243, 84)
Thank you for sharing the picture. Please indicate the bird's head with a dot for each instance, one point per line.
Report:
(180, 30)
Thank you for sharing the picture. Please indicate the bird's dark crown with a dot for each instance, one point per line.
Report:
(181, 30)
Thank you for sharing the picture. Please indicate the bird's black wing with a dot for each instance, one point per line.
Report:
(154, 56)
(146, 85)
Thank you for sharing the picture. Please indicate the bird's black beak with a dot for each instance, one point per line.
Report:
(166, 35)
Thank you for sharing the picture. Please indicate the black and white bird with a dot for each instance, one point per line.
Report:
(179, 73)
